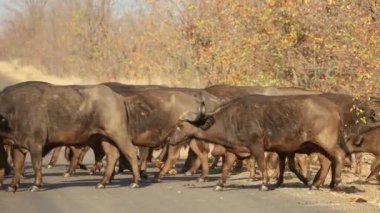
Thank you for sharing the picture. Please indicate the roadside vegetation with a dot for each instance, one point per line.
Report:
(325, 45)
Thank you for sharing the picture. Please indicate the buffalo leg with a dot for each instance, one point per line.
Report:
(161, 158)
(54, 157)
(82, 154)
(375, 168)
(194, 168)
(74, 159)
(36, 157)
(273, 162)
(292, 167)
(163, 154)
(303, 164)
(337, 159)
(9, 163)
(257, 151)
(282, 159)
(321, 175)
(252, 169)
(201, 149)
(238, 166)
(18, 166)
(215, 162)
(191, 158)
(98, 155)
(126, 147)
(2, 175)
(124, 164)
(144, 156)
(173, 154)
(228, 162)
(3, 163)
(358, 163)
(112, 154)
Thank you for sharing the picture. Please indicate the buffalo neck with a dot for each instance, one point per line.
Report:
(216, 134)
(370, 143)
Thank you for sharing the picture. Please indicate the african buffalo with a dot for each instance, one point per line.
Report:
(156, 112)
(153, 112)
(368, 141)
(227, 93)
(254, 124)
(353, 113)
(38, 116)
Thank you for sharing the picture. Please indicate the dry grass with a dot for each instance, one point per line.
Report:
(12, 72)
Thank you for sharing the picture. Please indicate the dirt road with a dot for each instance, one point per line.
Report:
(174, 194)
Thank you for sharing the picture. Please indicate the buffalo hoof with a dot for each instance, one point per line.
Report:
(143, 174)
(332, 185)
(202, 180)
(117, 169)
(91, 173)
(82, 166)
(34, 188)
(218, 188)
(67, 175)
(134, 186)
(278, 185)
(49, 166)
(12, 189)
(188, 173)
(172, 172)
(100, 186)
(313, 187)
(264, 188)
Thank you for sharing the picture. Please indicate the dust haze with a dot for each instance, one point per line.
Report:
(12, 72)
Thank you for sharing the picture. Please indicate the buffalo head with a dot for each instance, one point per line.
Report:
(358, 139)
(190, 124)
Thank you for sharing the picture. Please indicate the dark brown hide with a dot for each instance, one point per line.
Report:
(259, 123)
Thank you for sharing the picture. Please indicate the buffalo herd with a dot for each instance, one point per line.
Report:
(125, 123)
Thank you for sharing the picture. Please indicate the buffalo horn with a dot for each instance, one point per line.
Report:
(192, 116)
(189, 116)
(202, 110)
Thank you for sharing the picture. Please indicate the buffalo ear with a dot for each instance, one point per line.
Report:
(209, 121)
